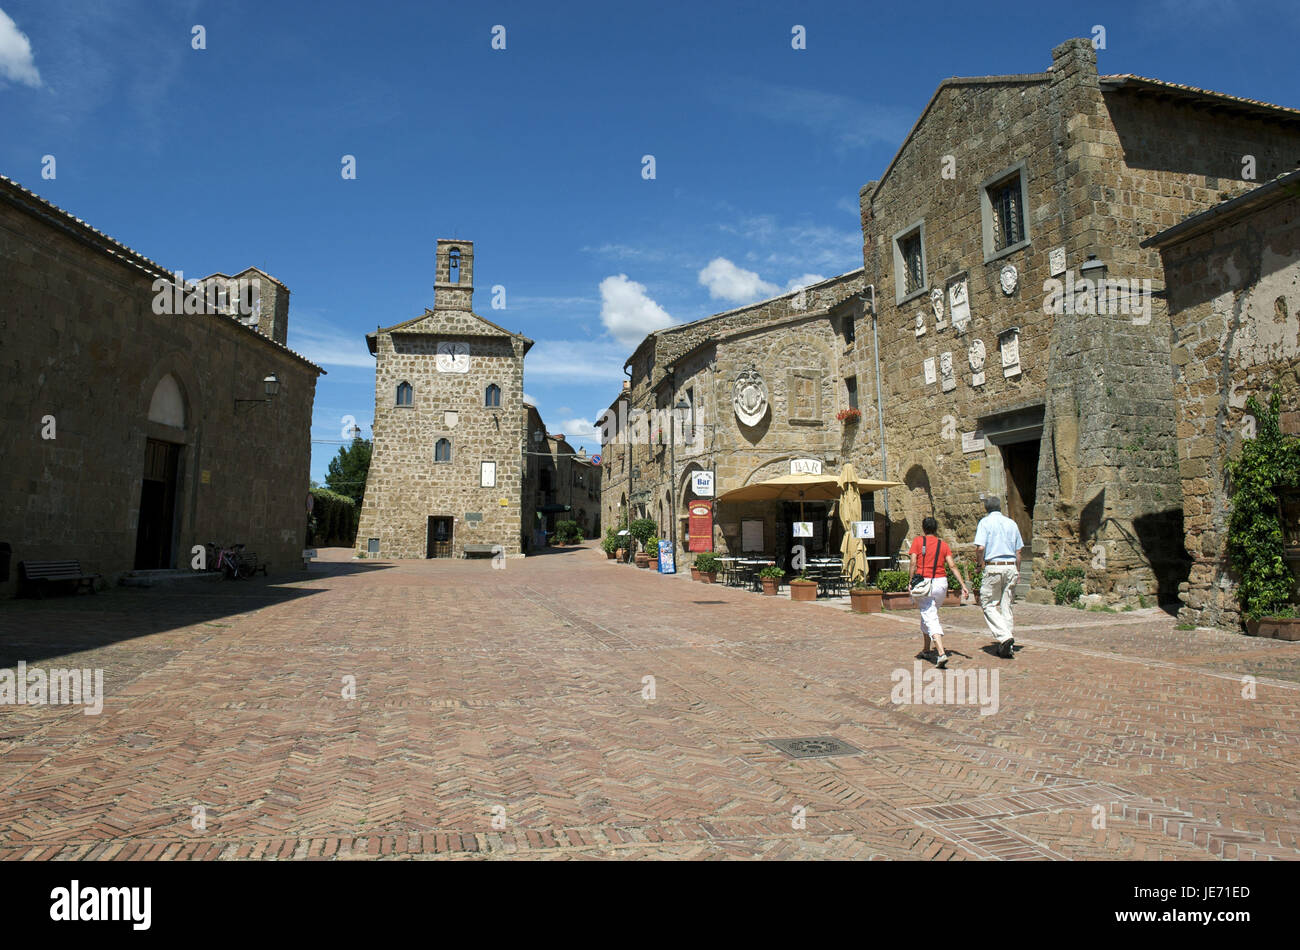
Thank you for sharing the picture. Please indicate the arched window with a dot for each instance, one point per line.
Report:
(492, 398)
(442, 450)
(453, 261)
(404, 394)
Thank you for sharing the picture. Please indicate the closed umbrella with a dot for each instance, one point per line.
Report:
(852, 549)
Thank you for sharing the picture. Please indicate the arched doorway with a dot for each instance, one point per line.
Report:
(156, 522)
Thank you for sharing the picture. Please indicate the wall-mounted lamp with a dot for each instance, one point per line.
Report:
(270, 386)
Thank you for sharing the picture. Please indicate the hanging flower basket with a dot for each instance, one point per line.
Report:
(849, 416)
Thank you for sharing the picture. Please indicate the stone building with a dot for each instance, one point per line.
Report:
(1000, 368)
(140, 420)
(678, 415)
(448, 464)
(1233, 278)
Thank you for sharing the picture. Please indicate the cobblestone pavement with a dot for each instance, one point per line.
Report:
(503, 713)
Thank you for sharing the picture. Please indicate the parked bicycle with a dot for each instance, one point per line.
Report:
(231, 561)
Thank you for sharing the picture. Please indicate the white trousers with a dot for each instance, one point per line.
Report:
(930, 607)
(997, 594)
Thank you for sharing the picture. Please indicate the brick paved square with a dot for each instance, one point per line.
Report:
(507, 713)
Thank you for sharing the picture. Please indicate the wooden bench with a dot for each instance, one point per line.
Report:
(483, 550)
(39, 575)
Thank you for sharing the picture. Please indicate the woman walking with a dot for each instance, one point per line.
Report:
(930, 585)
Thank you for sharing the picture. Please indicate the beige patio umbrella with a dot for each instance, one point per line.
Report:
(801, 488)
(852, 549)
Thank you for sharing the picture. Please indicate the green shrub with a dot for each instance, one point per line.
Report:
(1068, 573)
(652, 547)
(333, 519)
(706, 563)
(893, 582)
(611, 542)
(643, 529)
(772, 571)
(567, 532)
(1186, 626)
(968, 571)
(1266, 465)
(1068, 591)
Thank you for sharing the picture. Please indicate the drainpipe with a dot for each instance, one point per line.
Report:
(869, 300)
(627, 437)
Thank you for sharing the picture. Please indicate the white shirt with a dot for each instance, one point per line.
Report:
(999, 536)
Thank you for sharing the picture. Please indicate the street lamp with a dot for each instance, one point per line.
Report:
(1095, 271)
(270, 386)
(672, 468)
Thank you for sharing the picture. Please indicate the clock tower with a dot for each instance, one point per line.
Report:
(447, 463)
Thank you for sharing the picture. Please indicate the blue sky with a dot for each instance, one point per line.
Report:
(214, 159)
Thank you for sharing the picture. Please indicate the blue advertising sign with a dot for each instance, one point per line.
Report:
(667, 563)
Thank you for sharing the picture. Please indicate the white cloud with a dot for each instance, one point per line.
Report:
(577, 361)
(327, 346)
(580, 430)
(726, 281)
(530, 401)
(628, 312)
(806, 280)
(16, 63)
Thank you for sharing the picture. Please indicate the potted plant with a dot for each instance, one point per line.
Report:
(803, 587)
(849, 416)
(865, 598)
(1280, 624)
(650, 554)
(893, 588)
(705, 568)
(610, 544)
(770, 577)
(954, 586)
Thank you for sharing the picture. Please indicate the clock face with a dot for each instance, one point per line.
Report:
(453, 357)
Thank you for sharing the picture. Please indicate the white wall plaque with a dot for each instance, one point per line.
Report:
(930, 374)
(972, 441)
(936, 303)
(453, 357)
(805, 466)
(450, 417)
(1056, 261)
(920, 323)
(946, 373)
(1008, 278)
(959, 306)
(864, 530)
(976, 356)
(488, 475)
(1009, 344)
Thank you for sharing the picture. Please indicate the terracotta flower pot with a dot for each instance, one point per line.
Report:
(695, 573)
(1279, 628)
(708, 576)
(803, 590)
(898, 600)
(769, 585)
(620, 554)
(609, 555)
(953, 599)
(642, 561)
(865, 601)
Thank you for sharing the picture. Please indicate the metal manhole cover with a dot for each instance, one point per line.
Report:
(811, 747)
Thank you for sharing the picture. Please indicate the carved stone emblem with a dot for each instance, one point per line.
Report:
(959, 306)
(936, 302)
(976, 355)
(949, 382)
(1008, 279)
(749, 396)
(920, 323)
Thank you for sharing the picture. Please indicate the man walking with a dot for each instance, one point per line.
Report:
(997, 553)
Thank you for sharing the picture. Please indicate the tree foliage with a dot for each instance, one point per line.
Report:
(1266, 465)
(347, 471)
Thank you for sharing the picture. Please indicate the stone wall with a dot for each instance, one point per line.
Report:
(1234, 292)
(83, 345)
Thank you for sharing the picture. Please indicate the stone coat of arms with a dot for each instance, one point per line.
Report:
(749, 396)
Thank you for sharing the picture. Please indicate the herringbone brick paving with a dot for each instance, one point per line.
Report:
(500, 714)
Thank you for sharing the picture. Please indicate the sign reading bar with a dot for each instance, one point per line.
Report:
(702, 484)
(805, 466)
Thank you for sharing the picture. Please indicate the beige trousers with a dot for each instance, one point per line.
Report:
(997, 594)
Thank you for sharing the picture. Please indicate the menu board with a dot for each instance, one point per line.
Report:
(751, 535)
